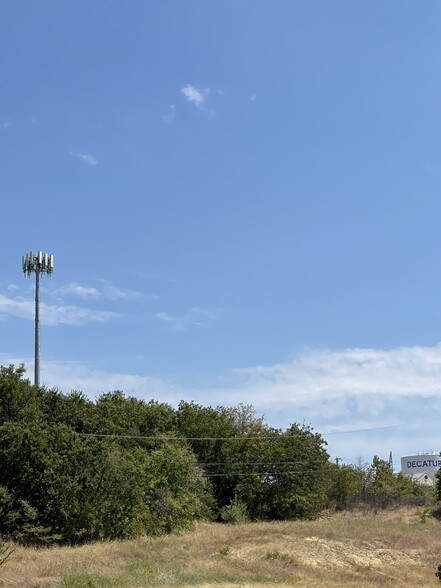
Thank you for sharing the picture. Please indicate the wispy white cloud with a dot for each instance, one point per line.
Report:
(170, 115)
(342, 392)
(320, 376)
(105, 290)
(195, 95)
(75, 375)
(16, 306)
(52, 314)
(164, 316)
(75, 289)
(19, 302)
(112, 292)
(86, 157)
(74, 315)
(363, 401)
(196, 317)
(92, 381)
(202, 312)
(89, 159)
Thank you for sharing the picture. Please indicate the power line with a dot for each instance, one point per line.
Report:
(220, 463)
(162, 438)
(225, 475)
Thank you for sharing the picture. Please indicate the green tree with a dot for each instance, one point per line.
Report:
(74, 410)
(345, 485)
(244, 419)
(208, 432)
(120, 415)
(18, 398)
(386, 486)
(296, 488)
(59, 486)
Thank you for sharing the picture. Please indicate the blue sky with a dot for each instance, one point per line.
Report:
(243, 201)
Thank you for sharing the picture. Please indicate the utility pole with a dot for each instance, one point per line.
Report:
(41, 263)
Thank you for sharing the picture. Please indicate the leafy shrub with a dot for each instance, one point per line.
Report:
(235, 513)
(58, 486)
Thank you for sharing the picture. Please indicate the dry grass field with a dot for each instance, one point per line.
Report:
(394, 548)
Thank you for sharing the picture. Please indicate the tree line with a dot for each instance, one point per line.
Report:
(74, 470)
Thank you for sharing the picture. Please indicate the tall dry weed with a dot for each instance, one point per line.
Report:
(335, 551)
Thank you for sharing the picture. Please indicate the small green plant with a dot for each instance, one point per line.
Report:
(438, 573)
(423, 514)
(235, 513)
(224, 551)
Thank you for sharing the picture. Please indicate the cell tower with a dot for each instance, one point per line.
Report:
(41, 263)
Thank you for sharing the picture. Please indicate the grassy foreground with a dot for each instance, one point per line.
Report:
(395, 548)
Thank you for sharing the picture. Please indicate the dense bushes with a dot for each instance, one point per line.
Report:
(56, 485)
(278, 475)
(74, 470)
(373, 485)
(63, 478)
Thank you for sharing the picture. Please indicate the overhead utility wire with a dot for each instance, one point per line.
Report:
(253, 475)
(220, 463)
(162, 438)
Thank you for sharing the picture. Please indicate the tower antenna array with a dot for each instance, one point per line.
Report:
(40, 263)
